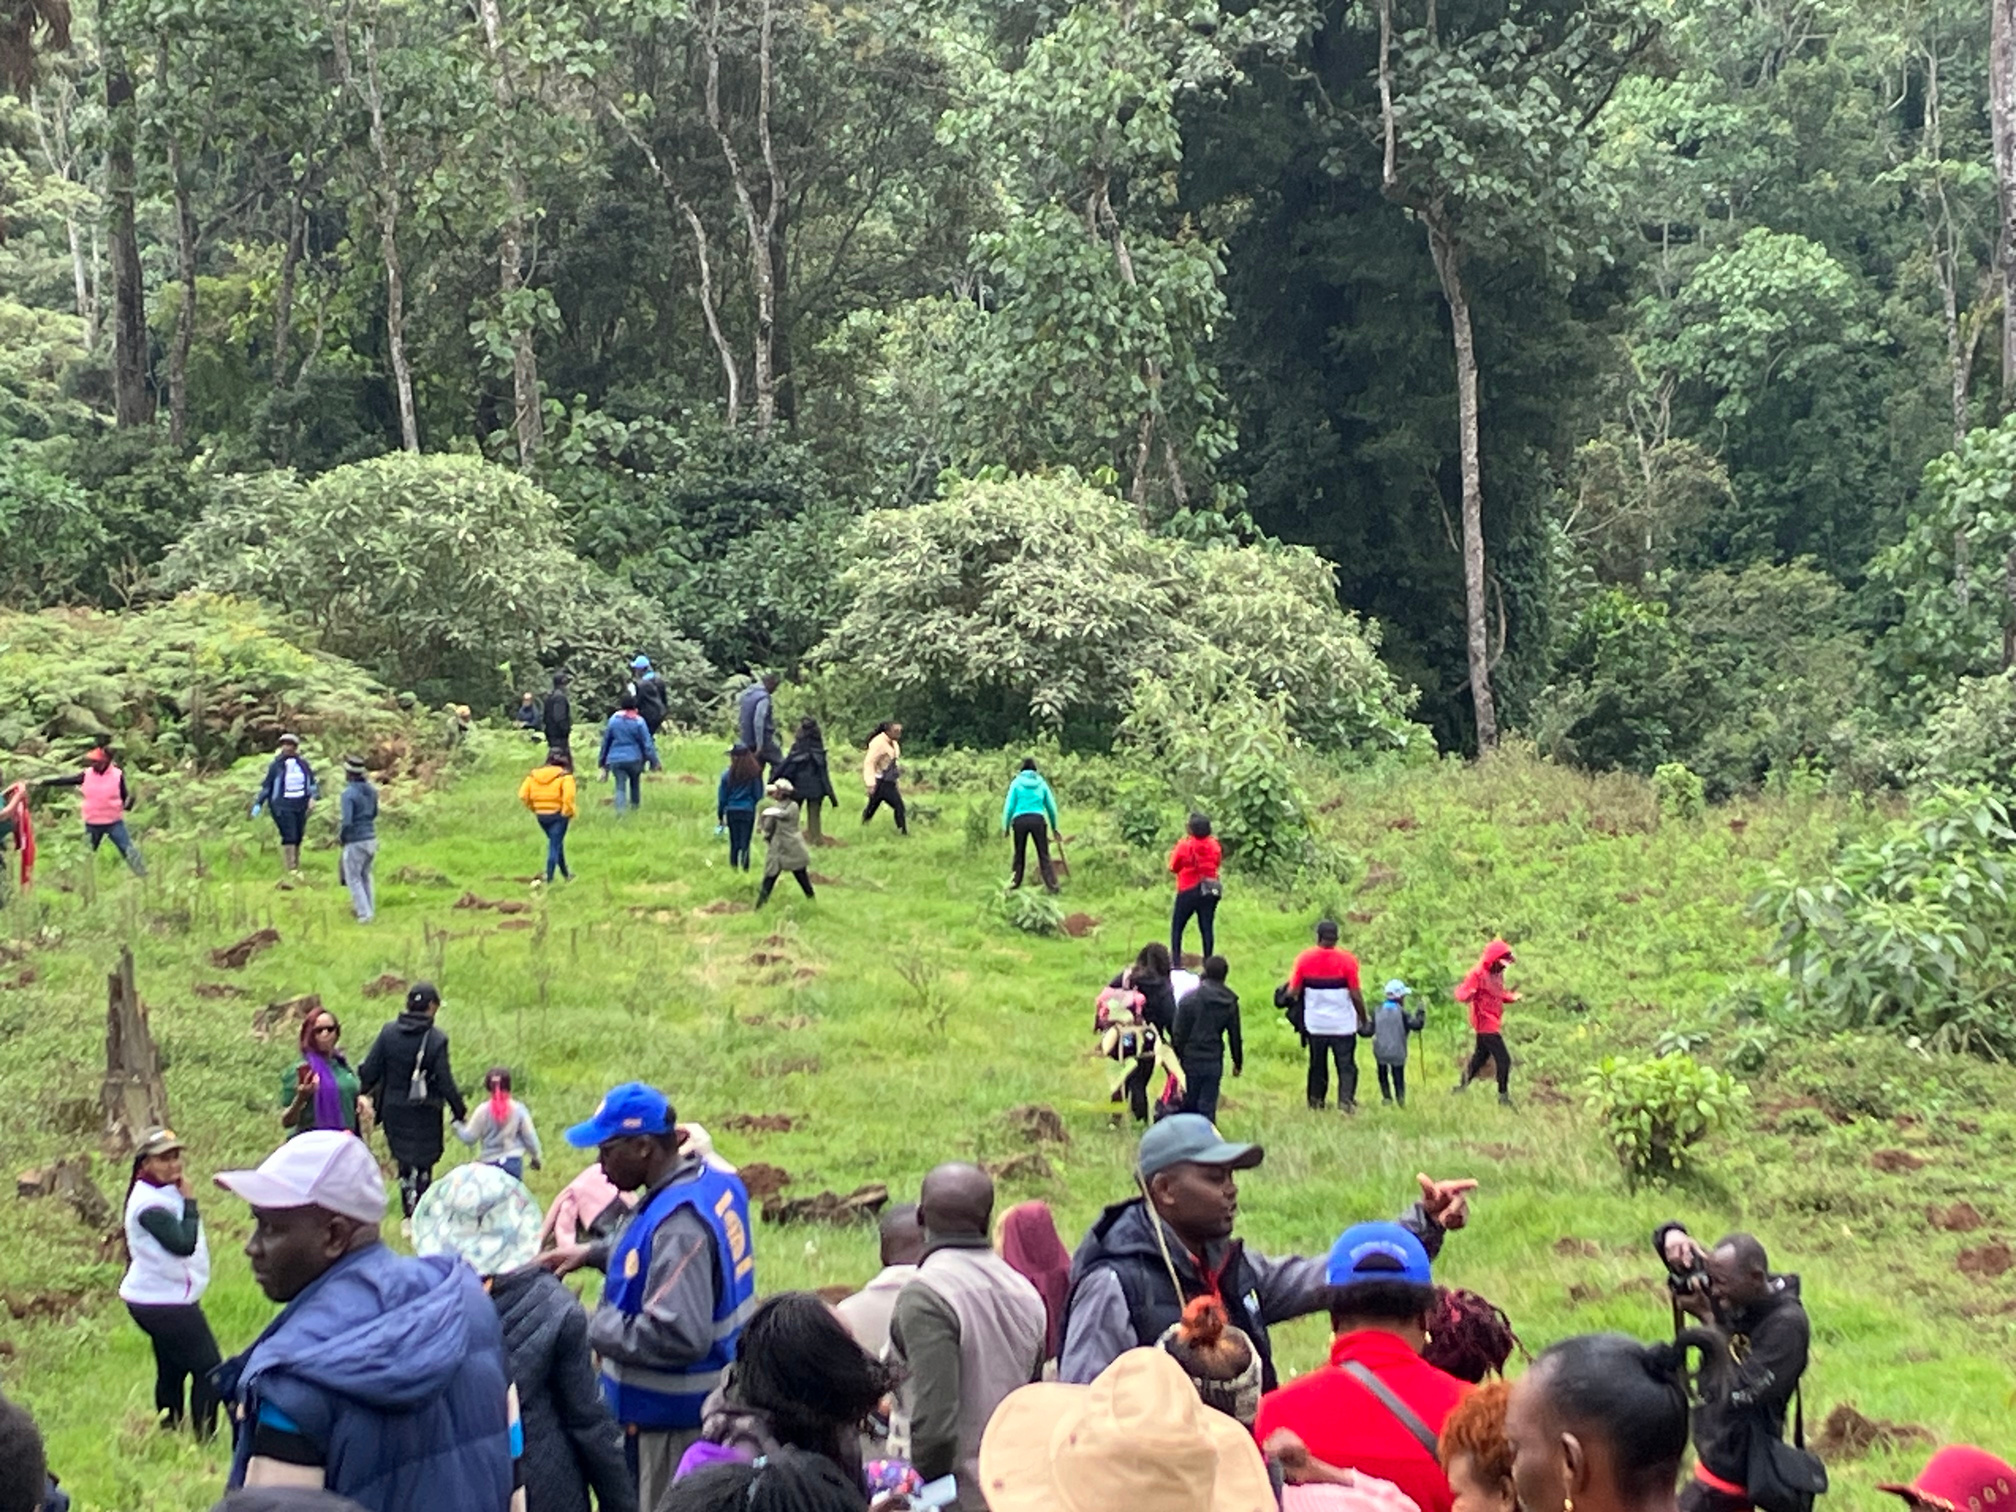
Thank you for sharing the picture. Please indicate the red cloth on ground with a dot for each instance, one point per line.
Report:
(1195, 860)
(1031, 1246)
(1345, 1425)
(1485, 991)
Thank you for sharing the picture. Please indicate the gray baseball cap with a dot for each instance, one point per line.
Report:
(1192, 1139)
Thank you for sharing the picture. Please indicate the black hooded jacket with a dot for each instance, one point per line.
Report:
(572, 1442)
(412, 1129)
(1747, 1389)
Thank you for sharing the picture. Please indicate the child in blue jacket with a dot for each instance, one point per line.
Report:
(735, 803)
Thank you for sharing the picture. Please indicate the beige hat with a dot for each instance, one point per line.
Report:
(1136, 1437)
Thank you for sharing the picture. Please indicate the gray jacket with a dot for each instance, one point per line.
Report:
(1391, 1024)
(783, 844)
(756, 719)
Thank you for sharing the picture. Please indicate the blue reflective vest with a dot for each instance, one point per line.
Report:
(660, 1399)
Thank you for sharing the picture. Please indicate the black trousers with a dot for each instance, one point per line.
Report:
(413, 1183)
(1490, 1047)
(184, 1351)
(1201, 1092)
(1028, 827)
(1135, 1090)
(803, 874)
(1192, 904)
(886, 791)
(1393, 1083)
(1343, 1048)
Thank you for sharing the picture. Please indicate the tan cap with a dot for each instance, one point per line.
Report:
(157, 1142)
(1136, 1437)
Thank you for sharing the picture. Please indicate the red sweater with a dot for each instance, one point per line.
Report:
(1195, 860)
(1345, 1425)
(1485, 991)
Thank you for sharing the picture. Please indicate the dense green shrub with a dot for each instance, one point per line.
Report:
(1969, 740)
(1655, 1110)
(1913, 929)
(445, 574)
(1031, 910)
(1678, 791)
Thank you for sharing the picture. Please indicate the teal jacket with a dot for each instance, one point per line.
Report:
(1028, 794)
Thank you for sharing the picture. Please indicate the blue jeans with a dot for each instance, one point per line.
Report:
(121, 842)
(629, 779)
(555, 826)
(741, 826)
(515, 1164)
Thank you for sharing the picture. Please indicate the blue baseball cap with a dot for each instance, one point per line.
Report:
(640, 662)
(1377, 1252)
(632, 1108)
(1397, 989)
(1192, 1139)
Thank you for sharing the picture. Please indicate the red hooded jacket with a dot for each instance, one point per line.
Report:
(1485, 990)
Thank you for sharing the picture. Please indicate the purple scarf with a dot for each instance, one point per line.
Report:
(328, 1097)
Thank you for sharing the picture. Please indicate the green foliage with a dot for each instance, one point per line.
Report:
(1912, 930)
(1031, 910)
(1140, 819)
(1969, 740)
(1656, 1109)
(438, 572)
(1678, 791)
(1030, 603)
(49, 535)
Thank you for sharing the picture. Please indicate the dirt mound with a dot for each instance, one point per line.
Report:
(234, 957)
(726, 906)
(216, 990)
(501, 905)
(763, 1180)
(24, 1306)
(1031, 1165)
(1897, 1162)
(25, 977)
(285, 1014)
(518, 924)
(1985, 1260)
(688, 779)
(768, 958)
(1038, 1124)
(819, 880)
(1078, 925)
(1579, 1249)
(761, 1123)
(1847, 1434)
(1961, 1218)
(859, 1206)
(388, 985)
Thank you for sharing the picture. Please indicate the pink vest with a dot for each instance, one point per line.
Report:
(101, 796)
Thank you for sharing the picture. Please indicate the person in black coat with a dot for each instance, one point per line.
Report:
(572, 1443)
(1207, 1026)
(409, 1057)
(557, 714)
(805, 769)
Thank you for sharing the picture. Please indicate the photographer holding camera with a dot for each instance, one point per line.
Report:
(1747, 1380)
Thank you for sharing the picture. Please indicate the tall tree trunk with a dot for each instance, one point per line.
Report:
(388, 244)
(2002, 128)
(527, 421)
(283, 298)
(762, 273)
(132, 397)
(185, 314)
(1946, 243)
(1449, 268)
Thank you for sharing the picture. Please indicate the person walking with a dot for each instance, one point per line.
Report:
(106, 799)
(627, 748)
(1148, 977)
(756, 721)
(320, 1091)
(485, 1217)
(1029, 812)
(806, 770)
(548, 791)
(881, 770)
(1485, 991)
(1194, 862)
(736, 799)
(783, 847)
(1391, 1024)
(383, 1379)
(1326, 980)
(408, 1079)
(1207, 1027)
(681, 1279)
(967, 1331)
(648, 688)
(166, 1276)
(289, 790)
(556, 714)
(501, 1127)
(358, 835)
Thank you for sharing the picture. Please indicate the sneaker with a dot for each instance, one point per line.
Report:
(1349, 1110)
(1315, 1106)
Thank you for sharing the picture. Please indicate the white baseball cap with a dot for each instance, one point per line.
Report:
(325, 1168)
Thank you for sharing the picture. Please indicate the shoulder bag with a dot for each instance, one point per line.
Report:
(1784, 1477)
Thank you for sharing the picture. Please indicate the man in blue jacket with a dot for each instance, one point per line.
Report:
(383, 1379)
(681, 1280)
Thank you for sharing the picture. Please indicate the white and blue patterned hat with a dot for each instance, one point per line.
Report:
(482, 1213)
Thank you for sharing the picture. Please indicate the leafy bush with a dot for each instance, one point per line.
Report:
(1139, 819)
(1914, 929)
(1031, 910)
(49, 534)
(1034, 603)
(1969, 740)
(1655, 1110)
(1678, 791)
(440, 573)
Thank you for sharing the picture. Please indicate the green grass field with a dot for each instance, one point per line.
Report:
(896, 1019)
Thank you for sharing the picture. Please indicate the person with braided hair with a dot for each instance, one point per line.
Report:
(1468, 1336)
(1599, 1424)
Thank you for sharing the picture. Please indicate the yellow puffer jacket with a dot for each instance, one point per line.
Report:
(548, 790)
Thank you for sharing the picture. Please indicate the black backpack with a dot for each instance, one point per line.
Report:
(651, 698)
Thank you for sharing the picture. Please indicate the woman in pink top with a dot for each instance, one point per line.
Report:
(1194, 862)
(106, 800)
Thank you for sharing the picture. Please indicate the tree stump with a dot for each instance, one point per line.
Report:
(134, 1095)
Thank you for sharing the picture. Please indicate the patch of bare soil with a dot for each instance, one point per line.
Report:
(218, 990)
(285, 1015)
(1985, 1260)
(726, 906)
(25, 977)
(1031, 1165)
(518, 924)
(388, 985)
(54, 1305)
(1961, 1218)
(823, 881)
(859, 1206)
(1847, 1434)
(761, 1123)
(1079, 925)
(763, 1180)
(1038, 1124)
(1897, 1162)
(688, 779)
(234, 957)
